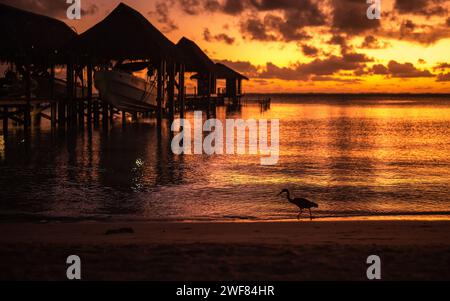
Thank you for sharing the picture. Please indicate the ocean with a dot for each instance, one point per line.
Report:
(356, 156)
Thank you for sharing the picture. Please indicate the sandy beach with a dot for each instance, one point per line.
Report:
(318, 250)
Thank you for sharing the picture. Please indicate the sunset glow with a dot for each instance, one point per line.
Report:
(303, 45)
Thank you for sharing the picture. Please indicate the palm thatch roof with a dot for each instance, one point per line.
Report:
(28, 35)
(125, 34)
(194, 58)
(224, 72)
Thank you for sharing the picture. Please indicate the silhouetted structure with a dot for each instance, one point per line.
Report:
(35, 44)
(31, 43)
(233, 80)
(197, 61)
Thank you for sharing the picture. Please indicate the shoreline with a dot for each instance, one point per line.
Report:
(43, 219)
(271, 251)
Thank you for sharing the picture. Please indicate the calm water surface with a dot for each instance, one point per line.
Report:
(355, 157)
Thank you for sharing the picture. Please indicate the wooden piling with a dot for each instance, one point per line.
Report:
(105, 111)
(53, 105)
(96, 109)
(5, 121)
(124, 118)
(89, 93)
(181, 90)
(160, 91)
(171, 90)
(111, 114)
(27, 111)
(80, 102)
(69, 98)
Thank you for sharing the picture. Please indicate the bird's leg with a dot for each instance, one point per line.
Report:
(310, 214)
(300, 213)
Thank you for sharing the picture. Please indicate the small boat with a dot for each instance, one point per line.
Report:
(59, 88)
(125, 91)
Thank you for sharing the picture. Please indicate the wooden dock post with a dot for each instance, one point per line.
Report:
(124, 118)
(111, 114)
(105, 111)
(70, 104)
(5, 121)
(53, 105)
(171, 90)
(89, 93)
(160, 91)
(181, 91)
(27, 112)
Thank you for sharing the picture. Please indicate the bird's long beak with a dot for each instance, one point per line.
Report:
(279, 193)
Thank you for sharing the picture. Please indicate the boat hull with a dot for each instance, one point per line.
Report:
(125, 92)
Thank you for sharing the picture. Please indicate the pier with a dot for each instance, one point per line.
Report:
(41, 47)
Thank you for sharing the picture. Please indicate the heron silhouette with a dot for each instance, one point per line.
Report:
(300, 203)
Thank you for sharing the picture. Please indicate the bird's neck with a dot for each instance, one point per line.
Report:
(288, 196)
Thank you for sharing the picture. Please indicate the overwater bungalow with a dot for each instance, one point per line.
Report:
(32, 45)
(106, 57)
(197, 61)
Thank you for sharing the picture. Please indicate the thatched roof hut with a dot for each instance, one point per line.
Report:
(194, 58)
(26, 35)
(125, 34)
(224, 72)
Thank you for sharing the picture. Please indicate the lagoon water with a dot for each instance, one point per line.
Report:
(355, 156)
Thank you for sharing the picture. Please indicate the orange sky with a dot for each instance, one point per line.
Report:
(302, 45)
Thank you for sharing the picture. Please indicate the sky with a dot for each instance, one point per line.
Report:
(301, 45)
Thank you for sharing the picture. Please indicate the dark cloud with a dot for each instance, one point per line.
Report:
(421, 61)
(421, 7)
(318, 67)
(350, 16)
(371, 42)
(443, 77)
(284, 20)
(399, 70)
(255, 29)
(441, 66)
(341, 41)
(162, 15)
(379, 69)
(52, 8)
(244, 67)
(424, 34)
(309, 50)
(335, 79)
(222, 37)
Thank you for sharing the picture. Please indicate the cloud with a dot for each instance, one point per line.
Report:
(52, 8)
(350, 16)
(222, 37)
(244, 67)
(399, 70)
(264, 20)
(441, 66)
(443, 77)
(421, 7)
(309, 50)
(318, 67)
(371, 42)
(255, 29)
(424, 34)
(163, 16)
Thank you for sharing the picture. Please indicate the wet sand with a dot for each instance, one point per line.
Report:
(318, 250)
